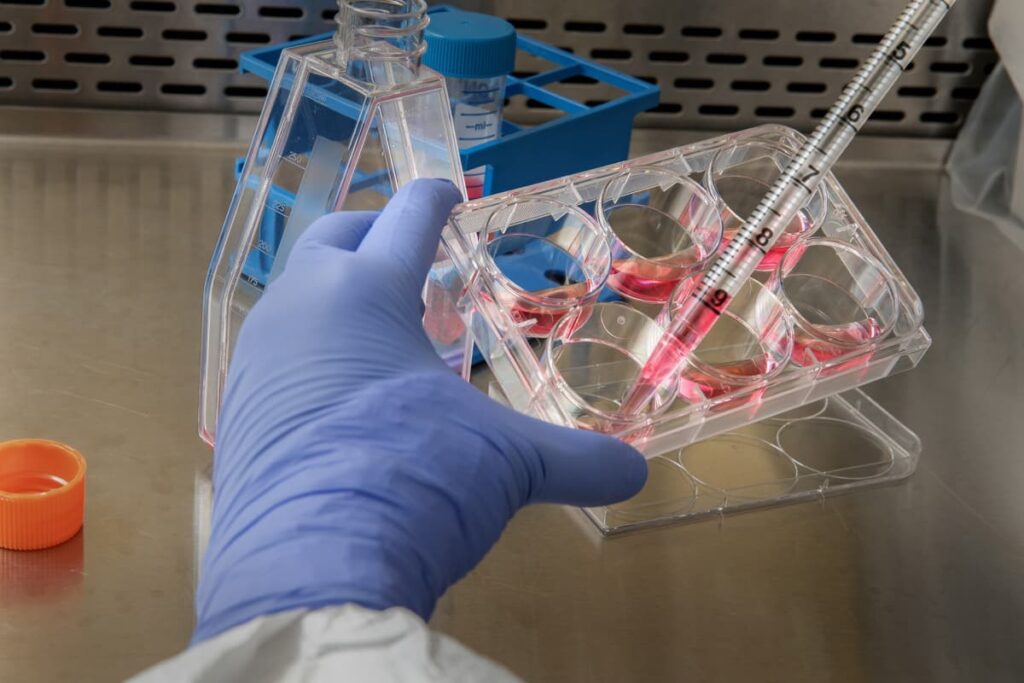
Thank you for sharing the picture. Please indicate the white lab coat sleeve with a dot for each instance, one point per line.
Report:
(346, 643)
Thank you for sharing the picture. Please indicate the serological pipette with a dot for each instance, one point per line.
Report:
(788, 193)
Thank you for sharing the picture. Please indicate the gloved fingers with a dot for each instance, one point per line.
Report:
(584, 468)
(341, 230)
(409, 227)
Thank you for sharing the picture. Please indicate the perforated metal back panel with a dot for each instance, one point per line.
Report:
(721, 64)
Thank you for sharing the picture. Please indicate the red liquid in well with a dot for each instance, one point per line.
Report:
(543, 316)
(474, 187)
(652, 280)
(668, 355)
(543, 319)
(808, 350)
(794, 232)
(646, 230)
(629, 279)
(738, 374)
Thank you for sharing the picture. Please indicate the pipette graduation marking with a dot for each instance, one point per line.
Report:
(788, 193)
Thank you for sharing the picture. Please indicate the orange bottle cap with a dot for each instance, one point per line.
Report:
(42, 493)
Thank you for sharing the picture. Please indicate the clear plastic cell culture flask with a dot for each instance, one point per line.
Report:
(346, 123)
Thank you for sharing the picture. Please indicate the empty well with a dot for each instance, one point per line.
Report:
(836, 448)
(739, 467)
(668, 492)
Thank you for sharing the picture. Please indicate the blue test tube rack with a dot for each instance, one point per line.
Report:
(582, 137)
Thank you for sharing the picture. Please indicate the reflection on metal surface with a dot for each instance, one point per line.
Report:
(668, 492)
(202, 516)
(52, 575)
(918, 581)
(738, 467)
(843, 449)
(104, 251)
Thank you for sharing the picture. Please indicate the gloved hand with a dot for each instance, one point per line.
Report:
(351, 464)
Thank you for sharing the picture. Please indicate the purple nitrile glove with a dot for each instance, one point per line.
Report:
(351, 464)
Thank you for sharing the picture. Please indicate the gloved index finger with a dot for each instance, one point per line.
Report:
(409, 227)
(584, 468)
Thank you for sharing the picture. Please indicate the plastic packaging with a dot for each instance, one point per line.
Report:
(345, 124)
(986, 165)
(475, 53)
